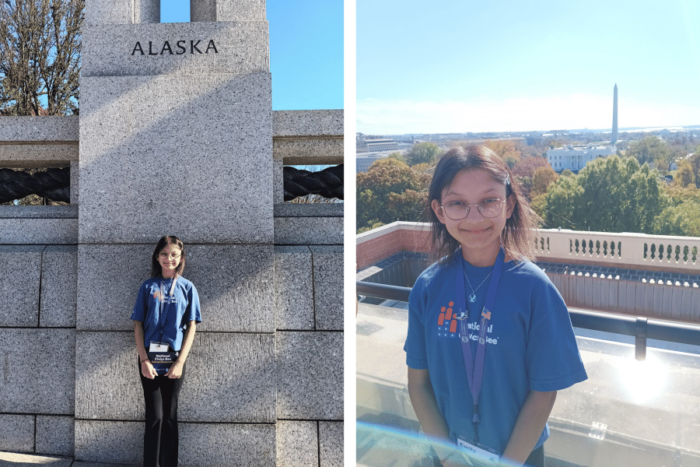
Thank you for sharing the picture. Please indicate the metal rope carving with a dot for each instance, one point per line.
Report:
(53, 184)
(327, 183)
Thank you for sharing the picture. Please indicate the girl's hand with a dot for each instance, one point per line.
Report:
(175, 371)
(147, 370)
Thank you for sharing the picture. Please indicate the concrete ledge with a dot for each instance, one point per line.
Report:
(328, 287)
(309, 231)
(30, 156)
(228, 378)
(297, 444)
(20, 285)
(310, 210)
(31, 231)
(201, 445)
(39, 368)
(17, 433)
(227, 10)
(309, 150)
(38, 212)
(308, 123)
(310, 375)
(55, 435)
(25, 460)
(238, 48)
(59, 286)
(294, 303)
(38, 129)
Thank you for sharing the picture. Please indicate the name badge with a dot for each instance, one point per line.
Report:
(478, 454)
(158, 347)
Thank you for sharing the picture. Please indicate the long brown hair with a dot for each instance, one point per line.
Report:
(156, 269)
(518, 237)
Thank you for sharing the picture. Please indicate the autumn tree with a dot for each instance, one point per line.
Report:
(423, 153)
(649, 149)
(527, 165)
(387, 180)
(398, 156)
(509, 151)
(685, 175)
(543, 177)
(40, 56)
(682, 215)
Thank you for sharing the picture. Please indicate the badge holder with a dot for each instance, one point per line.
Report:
(478, 455)
(161, 357)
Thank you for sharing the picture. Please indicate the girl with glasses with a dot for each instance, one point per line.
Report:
(165, 319)
(489, 340)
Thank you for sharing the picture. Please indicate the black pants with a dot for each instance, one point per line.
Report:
(160, 441)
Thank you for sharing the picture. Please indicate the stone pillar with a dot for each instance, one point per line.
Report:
(176, 138)
(227, 10)
(99, 12)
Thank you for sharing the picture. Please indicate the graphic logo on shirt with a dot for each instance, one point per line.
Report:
(447, 324)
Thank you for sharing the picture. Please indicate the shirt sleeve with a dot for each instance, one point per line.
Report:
(416, 356)
(552, 356)
(193, 312)
(139, 313)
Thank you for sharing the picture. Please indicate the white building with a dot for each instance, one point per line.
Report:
(575, 158)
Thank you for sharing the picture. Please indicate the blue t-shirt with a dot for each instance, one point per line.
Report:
(179, 309)
(530, 345)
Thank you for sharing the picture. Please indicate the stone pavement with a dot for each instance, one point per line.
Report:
(627, 413)
(9, 459)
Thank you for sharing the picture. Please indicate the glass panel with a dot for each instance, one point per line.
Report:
(627, 413)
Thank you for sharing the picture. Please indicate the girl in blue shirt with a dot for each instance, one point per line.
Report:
(481, 377)
(165, 320)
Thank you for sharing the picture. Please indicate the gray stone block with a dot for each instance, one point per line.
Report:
(310, 210)
(227, 10)
(38, 212)
(38, 129)
(308, 231)
(129, 125)
(293, 288)
(309, 150)
(38, 231)
(228, 378)
(19, 284)
(109, 442)
(55, 435)
(331, 443)
(192, 48)
(278, 181)
(234, 283)
(308, 122)
(328, 286)
(17, 433)
(59, 286)
(108, 12)
(207, 445)
(147, 11)
(297, 444)
(31, 460)
(106, 299)
(37, 155)
(74, 182)
(310, 375)
(38, 367)
(201, 445)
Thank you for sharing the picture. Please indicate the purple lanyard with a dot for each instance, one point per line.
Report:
(475, 368)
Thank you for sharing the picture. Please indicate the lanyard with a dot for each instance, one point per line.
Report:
(475, 368)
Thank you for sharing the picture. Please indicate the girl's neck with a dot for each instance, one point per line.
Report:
(483, 257)
(167, 276)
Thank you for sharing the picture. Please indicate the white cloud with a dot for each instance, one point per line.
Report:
(398, 116)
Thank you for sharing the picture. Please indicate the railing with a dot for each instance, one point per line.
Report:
(641, 328)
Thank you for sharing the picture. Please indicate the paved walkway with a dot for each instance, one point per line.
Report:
(8, 459)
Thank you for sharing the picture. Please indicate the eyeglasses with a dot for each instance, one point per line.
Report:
(164, 255)
(458, 210)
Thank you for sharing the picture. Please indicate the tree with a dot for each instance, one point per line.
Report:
(506, 150)
(609, 195)
(423, 153)
(398, 156)
(381, 184)
(40, 56)
(527, 165)
(649, 149)
(685, 175)
(544, 176)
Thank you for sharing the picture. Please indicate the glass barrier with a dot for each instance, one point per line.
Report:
(628, 413)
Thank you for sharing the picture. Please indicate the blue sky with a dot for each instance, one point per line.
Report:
(455, 65)
(306, 50)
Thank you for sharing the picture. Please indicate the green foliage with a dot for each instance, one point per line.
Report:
(398, 156)
(543, 177)
(566, 173)
(423, 153)
(685, 175)
(390, 190)
(649, 149)
(609, 195)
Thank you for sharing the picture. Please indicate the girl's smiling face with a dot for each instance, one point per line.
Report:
(479, 236)
(169, 259)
